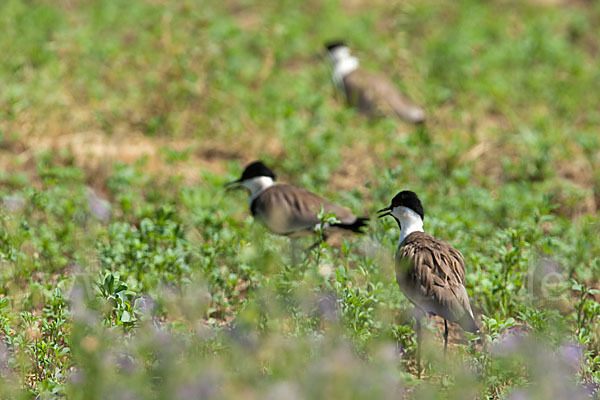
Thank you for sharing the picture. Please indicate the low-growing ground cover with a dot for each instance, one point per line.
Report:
(127, 271)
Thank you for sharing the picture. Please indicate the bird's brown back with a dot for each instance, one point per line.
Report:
(287, 209)
(432, 275)
(375, 95)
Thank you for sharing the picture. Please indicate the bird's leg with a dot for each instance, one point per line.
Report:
(314, 245)
(294, 251)
(418, 346)
(445, 336)
(322, 238)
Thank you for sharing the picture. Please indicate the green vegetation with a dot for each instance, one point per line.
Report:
(126, 272)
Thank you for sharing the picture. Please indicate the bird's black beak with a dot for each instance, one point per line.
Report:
(386, 211)
(233, 185)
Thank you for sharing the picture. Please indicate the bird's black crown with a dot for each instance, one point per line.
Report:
(256, 168)
(409, 199)
(334, 44)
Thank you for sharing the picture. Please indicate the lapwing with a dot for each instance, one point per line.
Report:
(430, 272)
(289, 210)
(370, 93)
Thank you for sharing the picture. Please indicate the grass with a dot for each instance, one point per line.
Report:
(127, 272)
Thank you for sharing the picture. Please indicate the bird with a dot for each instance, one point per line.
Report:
(370, 93)
(289, 210)
(429, 271)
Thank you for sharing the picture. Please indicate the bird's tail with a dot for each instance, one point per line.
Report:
(411, 113)
(467, 322)
(355, 226)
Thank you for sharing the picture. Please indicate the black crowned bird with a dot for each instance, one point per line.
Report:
(289, 210)
(370, 93)
(430, 272)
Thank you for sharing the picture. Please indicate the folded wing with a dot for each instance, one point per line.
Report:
(375, 95)
(432, 275)
(287, 209)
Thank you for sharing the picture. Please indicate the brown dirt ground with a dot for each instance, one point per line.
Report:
(95, 152)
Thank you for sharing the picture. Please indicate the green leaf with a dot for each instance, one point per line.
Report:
(126, 317)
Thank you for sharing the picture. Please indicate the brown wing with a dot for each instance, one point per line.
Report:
(375, 95)
(432, 275)
(287, 209)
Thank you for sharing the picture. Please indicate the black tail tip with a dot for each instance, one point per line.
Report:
(356, 226)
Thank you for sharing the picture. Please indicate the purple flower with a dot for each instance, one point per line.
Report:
(283, 390)
(518, 395)
(126, 363)
(3, 358)
(99, 207)
(13, 202)
(571, 354)
(78, 306)
(76, 377)
(205, 386)
(327, 306)
(590, 389)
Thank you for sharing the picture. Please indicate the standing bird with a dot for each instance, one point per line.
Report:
(289, 210)
(372, 94)
(430, 272)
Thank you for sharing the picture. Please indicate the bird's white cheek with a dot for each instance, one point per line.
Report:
(398, 212)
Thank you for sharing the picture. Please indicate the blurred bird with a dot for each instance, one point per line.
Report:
(372, 94)
(289, 210)
(430, 272)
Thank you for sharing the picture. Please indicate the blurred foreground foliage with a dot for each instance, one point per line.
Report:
(125, 270)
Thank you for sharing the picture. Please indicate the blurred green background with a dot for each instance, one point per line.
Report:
(125, 270)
